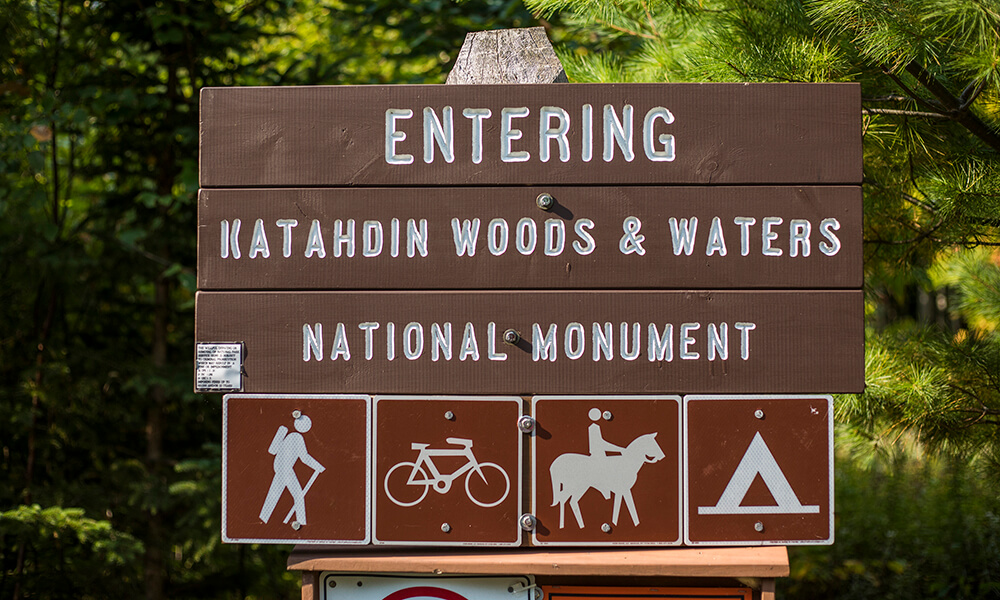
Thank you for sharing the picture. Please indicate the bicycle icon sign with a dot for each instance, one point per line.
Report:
(407, 482)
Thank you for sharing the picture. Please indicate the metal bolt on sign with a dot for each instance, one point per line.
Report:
(606, 528)
(758, 413)
(545, 201)
(449, 415)
(445, 527)
(296, 525)
(511, 337)
(758, 526)
(607, 415)
(296, 414)
(527, 521)
(526, 424)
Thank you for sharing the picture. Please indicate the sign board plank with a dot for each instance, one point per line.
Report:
(498, 238)
(598, 592)
(687, 133)
(606, 470)
(758, 470)
(295, 469)
(451, 342)
(447, 471)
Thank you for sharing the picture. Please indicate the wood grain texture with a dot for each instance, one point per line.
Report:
(663, 216)
(507, 56)
(802, 341)
(673, 562)
(724, 134)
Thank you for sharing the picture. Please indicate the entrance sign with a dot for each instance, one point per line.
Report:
(603, 342)
(295, 469)
(718, 134)
(337, 586)
(761, 237)
(606, 470)
(447, 470)
(758, 470)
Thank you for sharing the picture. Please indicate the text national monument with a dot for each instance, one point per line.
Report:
(530, 316)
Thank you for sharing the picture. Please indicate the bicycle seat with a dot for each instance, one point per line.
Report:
(459, 442)
(418, 446)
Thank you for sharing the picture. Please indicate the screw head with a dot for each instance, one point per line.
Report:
(527, 521)
(296, 414)
(545, 201)
(511, 337)
(607, 415)
(296, 525)
(449, 415)
(758, 526)
(445, 527)
(606, 528)
(758, 413)
(526, 424)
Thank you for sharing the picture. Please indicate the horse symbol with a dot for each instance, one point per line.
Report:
(573, 474)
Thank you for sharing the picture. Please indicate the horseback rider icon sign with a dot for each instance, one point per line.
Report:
(606, 470)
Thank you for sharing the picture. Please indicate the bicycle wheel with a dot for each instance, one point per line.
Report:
(407, 493)
(494, 483)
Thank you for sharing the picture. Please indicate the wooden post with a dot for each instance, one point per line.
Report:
(507, 56)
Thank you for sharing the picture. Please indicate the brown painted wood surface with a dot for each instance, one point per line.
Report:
(803, 341)
(725, 133)
(660, 266)
(763, 562)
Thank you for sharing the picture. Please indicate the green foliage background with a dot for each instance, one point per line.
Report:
(111, 464)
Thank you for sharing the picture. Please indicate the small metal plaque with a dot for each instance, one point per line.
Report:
(219, 367)
(336, 586)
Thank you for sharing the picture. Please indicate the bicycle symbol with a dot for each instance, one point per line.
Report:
(479, 489)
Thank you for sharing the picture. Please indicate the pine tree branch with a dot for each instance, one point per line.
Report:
(647, 36)
(955, 107)
(903, 113)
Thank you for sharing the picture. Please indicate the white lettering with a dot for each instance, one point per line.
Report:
(587, 135)
(826, 227)
(661, 347)
(340, 347)
(470, 347)
(716, 242)
(767, 236)
(618, 131)
(508, 134)
(392, 137)
(342, 238)
(555, 237)
(718, 341)
(440, 341)
(286, 240)
(416, 238)
(491, 343)
(683, 233)
(745, 329)
(543, 347)
(527, 236)
(371, 238)
(581, 228)
(799, 231)
(413, 340)
(230, 239)
(547, 133)
(666, 153)
(477, 115)
(574, 350)
(623, 343)
(744, 224)
(465, 233)
(442, 134)
(258, 242)
(602, 341)
(369, 329)
(314, 243)
(687, 340)
(312, 342)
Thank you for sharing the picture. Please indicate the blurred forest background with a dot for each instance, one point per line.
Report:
(111, 465)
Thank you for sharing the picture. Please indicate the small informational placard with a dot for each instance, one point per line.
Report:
(566, 592)
(336, 586)
(219, 367)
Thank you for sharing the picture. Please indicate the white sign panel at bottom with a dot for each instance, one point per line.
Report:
(336, 586)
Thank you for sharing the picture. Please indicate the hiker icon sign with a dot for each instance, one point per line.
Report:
(295, 469)
(606, 470)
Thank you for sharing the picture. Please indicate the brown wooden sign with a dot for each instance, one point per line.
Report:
(447, 471)
(603, 342)
(530, 135)
(597, 592)
(498, 238)
(758, 470)
(606, 470)
(295, 469)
